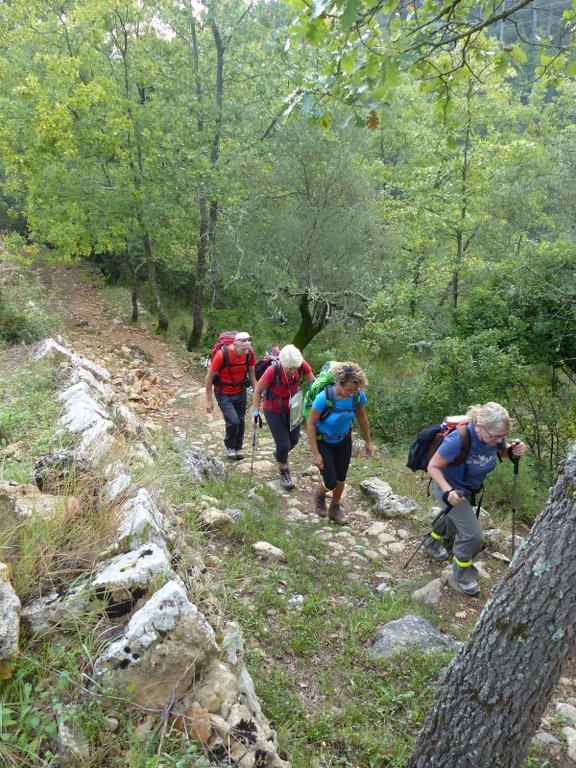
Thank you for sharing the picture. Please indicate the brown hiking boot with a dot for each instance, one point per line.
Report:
(320, 503)
(336, 515)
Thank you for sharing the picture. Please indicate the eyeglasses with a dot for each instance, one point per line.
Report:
(245, 338)
(494, 437)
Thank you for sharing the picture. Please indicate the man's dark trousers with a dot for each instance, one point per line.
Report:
(233, 408)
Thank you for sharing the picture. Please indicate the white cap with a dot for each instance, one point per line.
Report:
(242, 336)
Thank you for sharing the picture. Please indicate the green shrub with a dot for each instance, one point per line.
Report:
(23, 318)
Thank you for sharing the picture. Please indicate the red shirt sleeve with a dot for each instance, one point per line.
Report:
(252, 359)
(268, 376)
(217, 361)
(306, 368)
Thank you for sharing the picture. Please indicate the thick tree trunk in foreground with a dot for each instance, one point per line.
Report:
(494, 693)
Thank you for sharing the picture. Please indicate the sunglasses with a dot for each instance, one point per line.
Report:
(494, 437)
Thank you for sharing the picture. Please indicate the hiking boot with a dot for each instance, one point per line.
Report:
(336, 515)
(231, 453)
(239, 453)
(467, 578)
(436, 549)
(320, 503)
(286, 479)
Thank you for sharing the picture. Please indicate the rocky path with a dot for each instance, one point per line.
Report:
(167, 390)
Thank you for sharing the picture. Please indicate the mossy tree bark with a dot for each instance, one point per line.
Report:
(493, 695)
(314, 316)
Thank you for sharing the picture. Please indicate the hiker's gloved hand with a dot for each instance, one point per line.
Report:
(452, 497)
(257, 418)
(516, 449)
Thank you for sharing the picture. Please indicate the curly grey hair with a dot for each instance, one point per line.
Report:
(349, 372)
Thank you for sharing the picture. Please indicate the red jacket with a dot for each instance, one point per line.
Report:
(277, 395)
(231, 375)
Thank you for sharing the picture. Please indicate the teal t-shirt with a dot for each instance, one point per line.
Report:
(336, 426)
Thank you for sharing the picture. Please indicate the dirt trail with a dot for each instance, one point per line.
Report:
(172, 399)
(94, 330)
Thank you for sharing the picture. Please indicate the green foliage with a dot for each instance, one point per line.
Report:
(27, 408)
(23, 318)
(456, 373)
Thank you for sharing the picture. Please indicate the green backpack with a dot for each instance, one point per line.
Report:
(324, 380)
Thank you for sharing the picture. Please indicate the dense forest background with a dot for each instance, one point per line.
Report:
(393, 184)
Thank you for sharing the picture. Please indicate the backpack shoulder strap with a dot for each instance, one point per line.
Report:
(276, 365)
(464, 449)
(329, 394)
(465, 444)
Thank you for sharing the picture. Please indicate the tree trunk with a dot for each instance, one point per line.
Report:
(134, 294)
(208, 220)
(311, 322)
(494, 693)
(198, 296)
(162, 319)
(134, 279)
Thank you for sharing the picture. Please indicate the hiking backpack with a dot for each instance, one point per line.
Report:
(224, 339)
(324, 381)
(270, 357)
(430, 438)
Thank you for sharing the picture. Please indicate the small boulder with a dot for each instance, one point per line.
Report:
(411, 631)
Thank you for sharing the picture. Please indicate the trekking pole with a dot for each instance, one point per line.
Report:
(516, 462)
(255, 421)
(436, 520)
(253, 449)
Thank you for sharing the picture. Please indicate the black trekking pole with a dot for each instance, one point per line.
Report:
(436, 520)
(255, 421)
(516, 462)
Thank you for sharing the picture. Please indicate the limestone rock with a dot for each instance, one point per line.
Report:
(386, 503)
(202, 466)
(413, 631)
(268, 551)
(9, 615)
(429, 593)
(19, 501)
(56, 348)
(123, 580)
(162, 651)
(142, 522)
(215, 521)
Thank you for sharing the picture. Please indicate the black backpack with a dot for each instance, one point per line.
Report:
(430, 438)
(269, 357)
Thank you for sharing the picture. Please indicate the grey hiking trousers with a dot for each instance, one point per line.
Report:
(462, 523)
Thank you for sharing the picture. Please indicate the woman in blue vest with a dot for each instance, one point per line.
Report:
(456, 485)
(330, 434)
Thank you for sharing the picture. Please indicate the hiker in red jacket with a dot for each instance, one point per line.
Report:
(228, 375)
(280, 388)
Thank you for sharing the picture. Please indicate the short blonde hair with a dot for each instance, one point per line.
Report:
(490, 415)
(290, 356)
(345, 372)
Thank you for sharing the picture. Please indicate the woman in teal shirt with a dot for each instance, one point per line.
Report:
(329, 432)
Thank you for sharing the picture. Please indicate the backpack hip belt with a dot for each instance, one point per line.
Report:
(334, 438)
